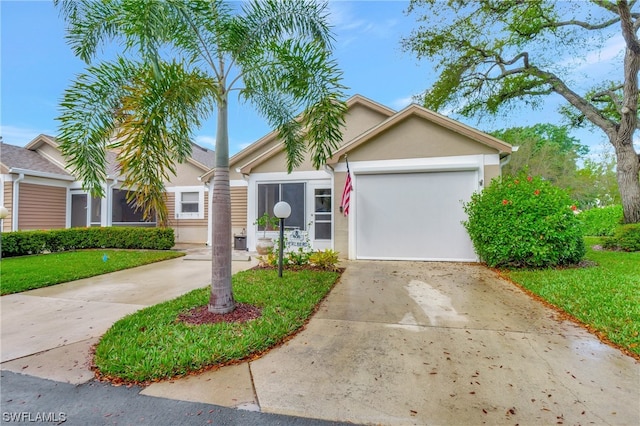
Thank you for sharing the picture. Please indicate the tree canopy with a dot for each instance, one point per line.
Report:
(493, 55)
(549, 151)
(544, 150)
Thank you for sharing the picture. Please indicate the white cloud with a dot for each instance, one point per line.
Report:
(350, 26)
(401, 103)
(613, 48)
(20, 136)
(206, 141)
(604, 57)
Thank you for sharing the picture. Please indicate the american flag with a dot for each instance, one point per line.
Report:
(346, 193)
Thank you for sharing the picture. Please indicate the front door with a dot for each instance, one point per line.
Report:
(78, 210)
(321, 224)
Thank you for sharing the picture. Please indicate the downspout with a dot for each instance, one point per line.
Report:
(108, 221)
(507, 159)
(209, 187)
(14, 202)
(504, 162)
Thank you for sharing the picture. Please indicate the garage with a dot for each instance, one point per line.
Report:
(413, 216)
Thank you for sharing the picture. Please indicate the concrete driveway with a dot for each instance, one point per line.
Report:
(394, 343)
(402, 343)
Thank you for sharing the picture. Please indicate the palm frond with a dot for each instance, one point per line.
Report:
(89, 109)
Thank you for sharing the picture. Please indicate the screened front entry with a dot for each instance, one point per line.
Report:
(88, 211)
(311, 212)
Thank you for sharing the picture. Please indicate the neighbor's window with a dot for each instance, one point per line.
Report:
(96, 211)
(124, 213)
(189, 204)
(293, 193)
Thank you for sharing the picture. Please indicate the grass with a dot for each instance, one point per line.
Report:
(151, 345)
(606, 297)
(23, 273)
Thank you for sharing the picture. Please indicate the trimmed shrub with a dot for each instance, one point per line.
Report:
(23, 243)
(626, 237)
(327, 259)
(601, 221)
(524, 221)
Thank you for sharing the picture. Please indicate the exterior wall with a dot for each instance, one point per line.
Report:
(186, 175)
(8, 204)
(491, 172)
(278, 163)
(417, 138)
(52, 154)
(359, 119)
(188, 230)
(42, 207)
(247, 155)
(239, 210)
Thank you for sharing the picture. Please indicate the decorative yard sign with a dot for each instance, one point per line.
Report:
(297, 239)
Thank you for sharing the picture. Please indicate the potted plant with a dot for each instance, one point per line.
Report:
(264, 245)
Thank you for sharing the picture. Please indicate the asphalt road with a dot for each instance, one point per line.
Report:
(27, 399)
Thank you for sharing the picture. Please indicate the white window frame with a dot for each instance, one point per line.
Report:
(178, 202)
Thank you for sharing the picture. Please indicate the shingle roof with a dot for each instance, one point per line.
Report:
(17, 157)
(204, 156)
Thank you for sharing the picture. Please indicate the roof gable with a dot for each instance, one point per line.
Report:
(415, 110)
(201, 157)
(16, 159)
(269, 146)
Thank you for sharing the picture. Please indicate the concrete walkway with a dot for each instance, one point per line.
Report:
(395, 343)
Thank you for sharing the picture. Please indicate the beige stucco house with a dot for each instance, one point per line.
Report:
(40, 193)
(411, 171)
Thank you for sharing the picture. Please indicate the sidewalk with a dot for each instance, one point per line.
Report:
(48, 332)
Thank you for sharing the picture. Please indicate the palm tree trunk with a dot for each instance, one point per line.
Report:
(221, 300)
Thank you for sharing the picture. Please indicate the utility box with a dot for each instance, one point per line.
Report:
(240, 242)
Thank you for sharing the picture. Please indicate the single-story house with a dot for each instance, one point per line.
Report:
(411, 171)
(40, 192)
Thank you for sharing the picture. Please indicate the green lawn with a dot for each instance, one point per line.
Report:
(150, 344)
(23, 273)
(605, 297)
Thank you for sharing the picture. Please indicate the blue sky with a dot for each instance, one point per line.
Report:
(37, 66)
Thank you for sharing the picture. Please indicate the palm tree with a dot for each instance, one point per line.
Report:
(177, 65)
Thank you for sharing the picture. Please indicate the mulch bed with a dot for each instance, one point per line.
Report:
(201, 315)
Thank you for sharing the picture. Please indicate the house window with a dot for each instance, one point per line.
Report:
(189, 204)
(293, 193)
(96, 211)
(127, 214)
(323, 215)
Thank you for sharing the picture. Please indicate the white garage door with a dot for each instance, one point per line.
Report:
(413, 216)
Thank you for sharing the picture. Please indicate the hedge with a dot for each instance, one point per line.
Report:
(626, 238)
(23, 243)
(601, 221)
